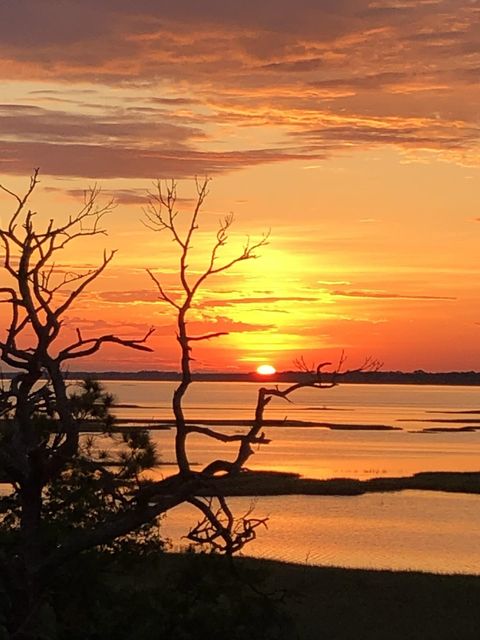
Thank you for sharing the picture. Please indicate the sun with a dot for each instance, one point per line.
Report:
(266, 370)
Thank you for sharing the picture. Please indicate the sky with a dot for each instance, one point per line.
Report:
(347, 129)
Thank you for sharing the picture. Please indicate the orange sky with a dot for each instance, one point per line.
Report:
(349, 128)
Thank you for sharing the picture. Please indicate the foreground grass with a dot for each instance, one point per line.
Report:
(194, 597)
(186, 596)
(274, 483)
(345, 604)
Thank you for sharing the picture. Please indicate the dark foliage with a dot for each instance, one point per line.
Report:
(126, 595)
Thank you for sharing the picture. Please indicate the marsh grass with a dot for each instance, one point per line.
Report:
(356, 604)
(268, 483)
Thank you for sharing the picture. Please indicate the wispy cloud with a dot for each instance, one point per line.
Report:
(229, 302)
(101, 161)
(386, 295)
(173, 92)
(132, 296)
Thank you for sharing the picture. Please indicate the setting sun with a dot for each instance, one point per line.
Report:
(266, 370)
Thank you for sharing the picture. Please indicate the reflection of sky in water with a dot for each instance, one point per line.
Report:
(388, 399)
(403, 406)
(319, 453)
(422, 530)
(323, 453)
(427, 531)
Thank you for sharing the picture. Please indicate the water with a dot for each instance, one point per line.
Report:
(425, 531)
(409, 530)
(395, 405)
(317, 452)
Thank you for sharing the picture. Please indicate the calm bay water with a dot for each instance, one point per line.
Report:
(425, 531)
(409, 530)
(318, 452)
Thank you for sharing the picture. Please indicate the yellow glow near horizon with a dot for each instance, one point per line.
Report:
(266, 370)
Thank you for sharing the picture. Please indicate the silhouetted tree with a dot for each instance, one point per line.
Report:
(68, 497)
(218, 528)
(64, 498)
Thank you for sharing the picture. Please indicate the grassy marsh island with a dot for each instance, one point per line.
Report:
(272, 483)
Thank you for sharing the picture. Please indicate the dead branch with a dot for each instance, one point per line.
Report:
(224, 437)
(161, 214)
(87, 346)
(219, 530)
(207, 336)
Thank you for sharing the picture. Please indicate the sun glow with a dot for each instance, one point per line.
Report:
(266, 370)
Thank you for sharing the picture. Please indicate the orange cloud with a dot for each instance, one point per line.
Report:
(288, 66)
(387, 296)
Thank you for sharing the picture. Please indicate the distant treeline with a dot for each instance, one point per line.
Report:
(466, 378)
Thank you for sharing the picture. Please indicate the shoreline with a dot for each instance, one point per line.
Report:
(124, 424)
(419, 378)
(169, 423)
(374, 603)
(279, 483)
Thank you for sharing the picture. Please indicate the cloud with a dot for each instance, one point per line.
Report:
(174, 101)
(295, 66)
(119, 196)
(128, 297)
(101, 326)
(163, 87)
(408, 133)
(387, 295)
(333, 282)
(223, 323)
(229, 302)
(25, 122)
(367, 82)
(101, 161)
(196, 327)
(137, 296)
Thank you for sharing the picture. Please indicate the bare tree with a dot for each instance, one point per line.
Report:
(40, 420)
(44, 455)
(218, 527)
(161, 215)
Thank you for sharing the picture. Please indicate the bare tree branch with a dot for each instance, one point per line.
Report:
(207, 336)
(85, 347)
(219, 530)
(161, 215)
(224, 437)
(163, 295)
